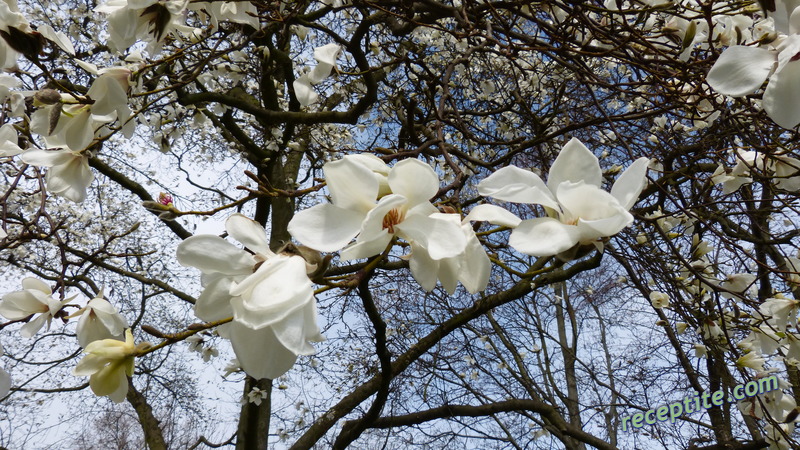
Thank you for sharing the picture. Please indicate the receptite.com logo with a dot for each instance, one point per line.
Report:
(695, 402)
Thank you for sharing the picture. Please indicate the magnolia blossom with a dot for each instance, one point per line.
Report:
(779, 312)
(68, 174)
(35, 298)
(579, 211)
(741, 70)
(108, 364)
(326, 61)
(131, 20)
(406, 212)
(269, 296)
(784, 171)
(109, 92)
(237, 12)
(73, 122)
(751, 360)
(471, 267)
(99, 320)
(659, 299)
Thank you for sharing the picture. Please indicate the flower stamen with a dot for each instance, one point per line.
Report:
(393, 218)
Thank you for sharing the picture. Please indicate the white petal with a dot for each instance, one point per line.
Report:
(213, 254)
(352, 185)
(476, 267)
(543, 237)
(414, 180)
(325, 227)
(248, 232)
(29, 329)
(630, 184)
(373, 223)
(439, 233)
(58, 37)
(449, 269)
(303, 91)
(109, 316)
(319, 73)
(782, 96)
(327, 54)
(8, 141)
(366, 248)
(278, 288)
(574, 163)
(36, 284)
(378, 167)
(741, 70)
(424, 269)
(579, 200)
(215, 301)
(21, 304)
(494, 215)
(291, 332)
(72, 179)
(608, 226)
(512, 184)
(259, 352)
(46, 158)
(78, 130)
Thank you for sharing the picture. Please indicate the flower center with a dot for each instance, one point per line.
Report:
(392, 218)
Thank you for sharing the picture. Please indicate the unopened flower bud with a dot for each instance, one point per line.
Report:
(46, 97)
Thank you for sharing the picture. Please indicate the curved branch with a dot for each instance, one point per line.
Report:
(447, 411)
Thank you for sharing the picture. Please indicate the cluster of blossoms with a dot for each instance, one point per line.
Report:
(373, 204)
(741, 69)
(68, 124)
(109, 361)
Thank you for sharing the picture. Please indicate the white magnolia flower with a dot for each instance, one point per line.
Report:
(472, 267)
(326, 61)
(659, 299)
(406, 212)
(741, 70)
(99, 320)
(35, 298)
(742, 283)
(780, 312)
(700, 351)
(773, 403)
(784, 171)
(108, 363)
(68, 174)
(109, 92)
(237, 12)
(580, 211)
(269, 296)
(81, 118)
(751, 360)
(256, 396)
(131, 20)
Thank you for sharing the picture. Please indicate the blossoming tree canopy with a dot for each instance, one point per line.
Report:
(441, 223)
